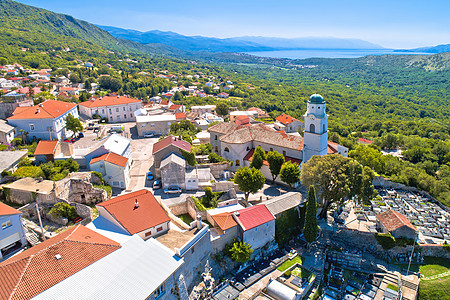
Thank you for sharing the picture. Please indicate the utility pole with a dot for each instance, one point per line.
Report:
(40, 221)
(412, 252)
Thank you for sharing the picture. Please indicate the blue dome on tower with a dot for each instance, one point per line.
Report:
(316, 99)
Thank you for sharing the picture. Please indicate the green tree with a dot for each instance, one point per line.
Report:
(334, 177)
(276, 161)
(367, 190)
(241, 251)
(73, 124)
(87, 85)
(3, 61)
(222, 109)
(310, 230)
(369, 156)
(74, 77)
(29, 171)
(290, 173)
(258, 157)
(189, 157)
(65, 210)
(249, 180)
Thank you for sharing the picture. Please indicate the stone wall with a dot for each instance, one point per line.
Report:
(83, 211)
(192, 210)
(218, 169)
(179, 208)
(434, 250)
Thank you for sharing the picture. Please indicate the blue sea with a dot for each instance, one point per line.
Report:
(329, 53)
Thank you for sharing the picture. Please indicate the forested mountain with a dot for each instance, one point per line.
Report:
(235, 44)
(434, 49)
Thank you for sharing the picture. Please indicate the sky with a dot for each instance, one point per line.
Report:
(389, 23)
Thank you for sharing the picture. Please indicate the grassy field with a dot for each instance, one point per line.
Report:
(436, 289)
(287, 264)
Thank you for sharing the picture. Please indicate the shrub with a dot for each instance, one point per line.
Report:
(386, 240)
(199, 204)
(29, 171)
(287, 274)
(65, 210)
(240, 251)
(215, 158)
(105, 187)
(446, 247)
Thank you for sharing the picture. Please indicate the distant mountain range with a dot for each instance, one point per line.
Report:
(434, 49)
(236, 44)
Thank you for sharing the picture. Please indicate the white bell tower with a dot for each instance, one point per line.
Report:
(316, 128)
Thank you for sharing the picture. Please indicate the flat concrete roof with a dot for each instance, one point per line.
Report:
(9, 158)
(32, 185)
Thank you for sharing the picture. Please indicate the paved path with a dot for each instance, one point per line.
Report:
(445, 274)
(142, 162)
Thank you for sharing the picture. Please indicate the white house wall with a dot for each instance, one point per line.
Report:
(260, 235)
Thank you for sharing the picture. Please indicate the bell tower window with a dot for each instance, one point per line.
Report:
(312, 128)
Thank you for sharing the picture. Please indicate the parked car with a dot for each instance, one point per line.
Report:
(150, 175)
(96, 129)
(149, 135)
(80, 135)
(173, 189)
(156, 184)
(116, 128)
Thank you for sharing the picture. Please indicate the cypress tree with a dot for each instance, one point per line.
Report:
(310, 229)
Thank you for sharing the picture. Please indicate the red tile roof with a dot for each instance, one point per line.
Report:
(171, 140)
(147, 215)
(45, 147)
(109, 101)
(253, 216)
(164, 102)
(111, 157)
(37, 269)
(365, 141)
(49, 109)
(224, 220)
(8, 210)
(175, 106)
(393, 220)
(249, 157)
(285, 119)
(181, 115)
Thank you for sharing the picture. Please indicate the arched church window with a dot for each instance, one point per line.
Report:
(312, 128)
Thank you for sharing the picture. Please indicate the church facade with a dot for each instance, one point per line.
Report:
(238, 142)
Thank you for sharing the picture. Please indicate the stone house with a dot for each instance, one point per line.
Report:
(173, 170)
(397, 224)
(165, 147)
(256, 225)
(278, 205)
(9, 160)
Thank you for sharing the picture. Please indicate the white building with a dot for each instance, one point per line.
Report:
(114, 108)
(12, 235)
(156, 124)
(114, 168)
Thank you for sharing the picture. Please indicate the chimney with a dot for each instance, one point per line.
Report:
(136, 204)
(199, 222)
(37, 110)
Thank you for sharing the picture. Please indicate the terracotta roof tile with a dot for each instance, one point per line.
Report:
(49, 109)
(35, 270)
(109, 101)
(393, 220)
(111, 157)
(8, 210)
(171, 140)
(181, 115)
(286, 119)
(147, 215)
(45, 147)
(253, 216)
(224, 220)
(260, 133)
